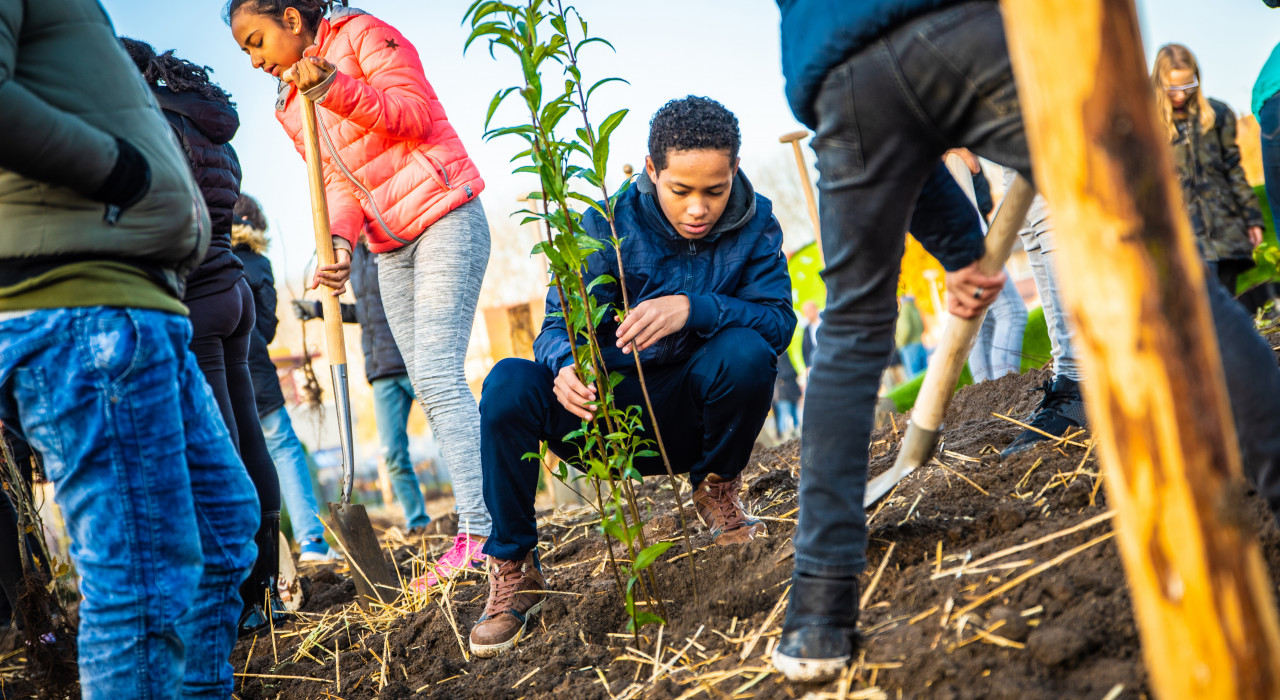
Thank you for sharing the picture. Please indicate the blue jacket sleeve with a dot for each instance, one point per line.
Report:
(762, 301)
(946, 222)
(551, 348)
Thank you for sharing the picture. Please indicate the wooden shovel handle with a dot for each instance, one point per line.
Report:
(324, 240)
(953, 349)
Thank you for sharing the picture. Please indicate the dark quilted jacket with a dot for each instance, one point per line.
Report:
(204, 129)
(381, 355)
(266, 384)
(1219, 199)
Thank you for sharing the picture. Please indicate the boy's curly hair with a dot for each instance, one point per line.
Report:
(167, 70)
(692, 124)
(312, 11)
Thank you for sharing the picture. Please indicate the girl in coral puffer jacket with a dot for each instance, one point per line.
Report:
(395, 168)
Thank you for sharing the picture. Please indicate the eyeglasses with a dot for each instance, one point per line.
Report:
(1183, 89)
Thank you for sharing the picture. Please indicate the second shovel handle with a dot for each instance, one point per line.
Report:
(337, 346)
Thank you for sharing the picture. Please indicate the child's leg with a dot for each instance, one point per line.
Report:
(980, 355)
(1010, 315)
(150, 545)
(448, 266)
(392, 401)
(295, 478)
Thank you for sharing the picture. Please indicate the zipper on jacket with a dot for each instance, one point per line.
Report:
(377, 214)
(688, 267)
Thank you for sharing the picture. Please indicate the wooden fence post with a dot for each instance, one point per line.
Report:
(1135, 285)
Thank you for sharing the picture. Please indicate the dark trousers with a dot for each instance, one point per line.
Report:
(710, 410)
(221, 326)
(886, 115)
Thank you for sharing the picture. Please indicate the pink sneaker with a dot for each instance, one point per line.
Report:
(464, 554)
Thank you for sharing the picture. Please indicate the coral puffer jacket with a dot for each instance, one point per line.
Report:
(390, 131)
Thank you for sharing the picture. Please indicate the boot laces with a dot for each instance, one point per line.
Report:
(723, 499)
(1051, 401)
(504, 585)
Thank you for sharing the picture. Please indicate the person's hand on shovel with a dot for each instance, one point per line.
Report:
(334, 276)
(310, 73)
(969, 291)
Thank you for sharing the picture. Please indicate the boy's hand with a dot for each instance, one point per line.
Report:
(334, 276)
(573, 394)
(310, 72)
(969, 291)
(653, 320)
(1255, 235)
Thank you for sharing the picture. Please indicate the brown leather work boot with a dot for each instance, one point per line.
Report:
(721, 511)
(511, 603)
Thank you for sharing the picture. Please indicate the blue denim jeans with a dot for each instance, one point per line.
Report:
(998, 349)
(786, 416)
(160, 509)
(885, 117)
(1038, 239)
(393, 398)
(295, 478)
(915, 359)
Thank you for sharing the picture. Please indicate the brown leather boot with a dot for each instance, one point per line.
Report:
(511, 603)
(721, 511)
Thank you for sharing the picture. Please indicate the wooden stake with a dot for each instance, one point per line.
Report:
(1134, 283)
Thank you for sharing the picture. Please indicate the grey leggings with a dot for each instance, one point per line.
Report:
(430, 289)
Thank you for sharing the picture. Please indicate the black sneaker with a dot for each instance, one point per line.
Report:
(1061, 409)
(821, 629)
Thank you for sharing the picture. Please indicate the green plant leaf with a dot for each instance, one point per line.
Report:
(605, 81)
(493, 105)
(643, 618)
(611, 122)
(650, 554)
(593, 40)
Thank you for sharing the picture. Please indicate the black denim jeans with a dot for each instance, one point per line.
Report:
(885, 117)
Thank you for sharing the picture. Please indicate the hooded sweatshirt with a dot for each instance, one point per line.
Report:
(735, 276)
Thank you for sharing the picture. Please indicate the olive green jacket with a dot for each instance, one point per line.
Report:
(67, 91)
(1219, 199)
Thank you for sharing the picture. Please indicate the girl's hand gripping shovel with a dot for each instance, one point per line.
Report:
(374, 578)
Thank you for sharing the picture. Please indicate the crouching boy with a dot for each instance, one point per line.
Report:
(711, 312)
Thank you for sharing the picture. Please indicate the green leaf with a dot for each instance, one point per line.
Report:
(643, 618)
(578, 196)
(611, 122)
(647, 453)
(650, 554)
(602, 279)
(593, 40)
(615, 378)
(602, 82)
(493, 105)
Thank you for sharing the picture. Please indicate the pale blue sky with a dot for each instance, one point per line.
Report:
(726, 49)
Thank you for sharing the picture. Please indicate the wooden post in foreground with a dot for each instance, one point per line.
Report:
(1154, 389)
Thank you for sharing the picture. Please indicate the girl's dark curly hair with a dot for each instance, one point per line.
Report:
(167, 70)
(312, 11)
(692, 124)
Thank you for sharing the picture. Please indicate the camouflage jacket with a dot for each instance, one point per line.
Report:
(1219, 199)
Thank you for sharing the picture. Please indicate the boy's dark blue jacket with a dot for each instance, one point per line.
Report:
(817, 35)
(736, 276)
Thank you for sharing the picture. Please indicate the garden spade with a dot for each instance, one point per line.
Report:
(953, 350)
(373, 577)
